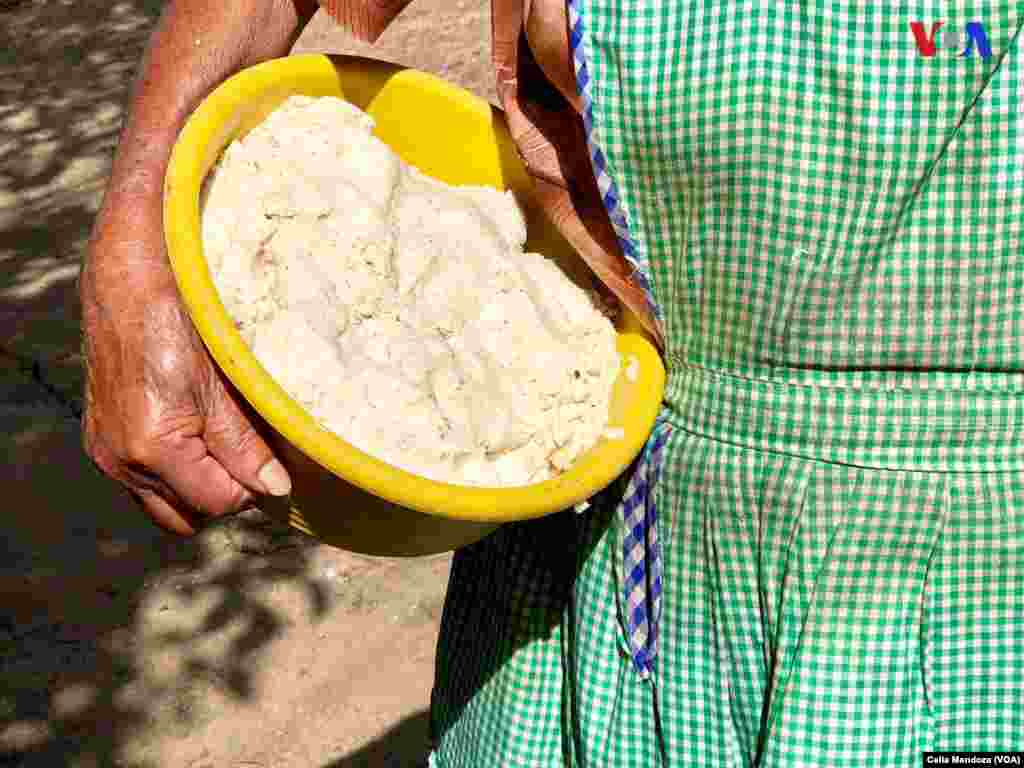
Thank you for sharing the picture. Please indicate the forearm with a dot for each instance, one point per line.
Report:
(195, 46)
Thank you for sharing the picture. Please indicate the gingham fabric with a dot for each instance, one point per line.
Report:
(605, 181)
(832, 215)
(641, 572)
(641, 553)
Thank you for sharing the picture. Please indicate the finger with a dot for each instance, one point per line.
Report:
(233, 440)
(552, 144)
(164, 514)
(547, 132)
(193, 475)
(506, 26)
(594, 240)
(547, 33)
(145, 489)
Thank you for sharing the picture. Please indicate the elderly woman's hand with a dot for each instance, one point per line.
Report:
(537, 88)
(160, 418)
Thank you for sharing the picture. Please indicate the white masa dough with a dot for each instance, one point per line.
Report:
(401, 312)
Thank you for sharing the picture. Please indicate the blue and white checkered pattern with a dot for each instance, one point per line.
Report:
(605, 183)
(641, 587)
(641, 553)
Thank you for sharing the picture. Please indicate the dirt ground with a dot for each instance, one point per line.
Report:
(249, 646)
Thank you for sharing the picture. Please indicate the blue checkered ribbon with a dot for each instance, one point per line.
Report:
(641, 553)
(605, 183)
(641, 572)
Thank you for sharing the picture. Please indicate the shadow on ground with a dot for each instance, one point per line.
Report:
(65, 71)
(109, 628)
(403, 746)
(77, 561)
(110, 631)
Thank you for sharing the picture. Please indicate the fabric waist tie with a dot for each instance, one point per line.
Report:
(942, 428)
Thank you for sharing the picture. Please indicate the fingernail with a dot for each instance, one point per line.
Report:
(274, 478)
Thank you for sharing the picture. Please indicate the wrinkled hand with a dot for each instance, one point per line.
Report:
(537, 87)
(160, 418)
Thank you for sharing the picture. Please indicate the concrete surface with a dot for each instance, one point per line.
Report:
(119, 645)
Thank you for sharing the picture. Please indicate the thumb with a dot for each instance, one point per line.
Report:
(232, 439)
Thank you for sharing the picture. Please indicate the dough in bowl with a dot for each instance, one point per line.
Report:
(401, 312)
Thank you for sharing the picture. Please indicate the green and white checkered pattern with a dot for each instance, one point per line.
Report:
(833, 224)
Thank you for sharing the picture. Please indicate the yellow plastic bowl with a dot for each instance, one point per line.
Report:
(342, 495)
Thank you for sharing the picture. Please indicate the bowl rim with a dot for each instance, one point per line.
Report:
(209, 128)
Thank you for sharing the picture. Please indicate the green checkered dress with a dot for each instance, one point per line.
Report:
(831, 213)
